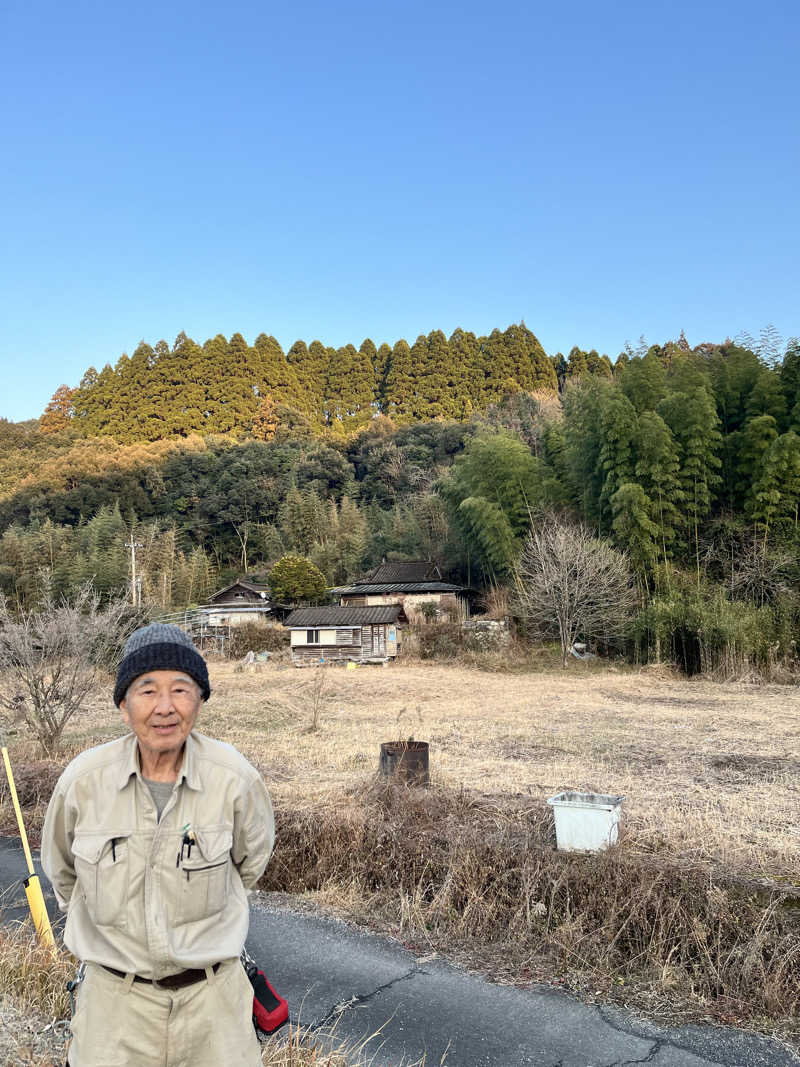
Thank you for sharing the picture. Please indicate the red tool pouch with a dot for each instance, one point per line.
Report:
(270, 1011)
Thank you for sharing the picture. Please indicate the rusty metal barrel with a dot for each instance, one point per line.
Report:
(407, 761)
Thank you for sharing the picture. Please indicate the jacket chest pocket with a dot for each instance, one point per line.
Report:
(204, 876)
(102, 867)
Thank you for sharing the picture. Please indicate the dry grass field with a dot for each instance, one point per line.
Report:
(694, 913)
(710, 771)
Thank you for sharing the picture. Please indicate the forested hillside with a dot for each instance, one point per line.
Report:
(231, 387)
(221, 457)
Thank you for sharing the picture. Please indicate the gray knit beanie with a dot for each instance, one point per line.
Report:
(160, 647)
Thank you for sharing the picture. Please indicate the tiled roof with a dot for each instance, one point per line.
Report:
(336, 616)
(413, 570)
(256, 590)
(395, 587)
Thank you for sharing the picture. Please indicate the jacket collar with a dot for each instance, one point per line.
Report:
(189, 772)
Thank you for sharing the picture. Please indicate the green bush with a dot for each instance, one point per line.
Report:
(295, 578)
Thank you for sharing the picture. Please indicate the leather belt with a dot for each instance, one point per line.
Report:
(170, 981)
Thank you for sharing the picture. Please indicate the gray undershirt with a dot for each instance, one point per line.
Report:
(160, 792)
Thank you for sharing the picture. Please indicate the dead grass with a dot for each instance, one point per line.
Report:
(444, 867)
(709, 770)
(33, 999)
(694, 905)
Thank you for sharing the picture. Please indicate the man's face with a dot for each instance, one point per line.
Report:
(161, 707)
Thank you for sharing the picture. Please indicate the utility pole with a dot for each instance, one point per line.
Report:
(133, 545)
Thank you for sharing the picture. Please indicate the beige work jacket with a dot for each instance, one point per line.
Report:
(137, 898)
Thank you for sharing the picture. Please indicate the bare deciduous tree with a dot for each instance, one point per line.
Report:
(52, 657)
(571, 584)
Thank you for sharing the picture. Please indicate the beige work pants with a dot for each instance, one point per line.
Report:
(120, 1023)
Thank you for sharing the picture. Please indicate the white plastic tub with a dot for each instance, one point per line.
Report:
(586, 822)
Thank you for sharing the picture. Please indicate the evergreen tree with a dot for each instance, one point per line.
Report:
(351, 539)
(401, 383)
(382, 359)
(131, 413)
(275, 376)
(272, 546)
(468, 370)
(310, 366)
(560, 367)
(242, 386)
(58, 413)
(442, 394)
(349, 394)
(215, 352)
(508, 363)
(295, 578)
(577, 365)
(82, 399)
(369, 350)
(166, 392)
(597, 365)
(189, 369)
(99, 403)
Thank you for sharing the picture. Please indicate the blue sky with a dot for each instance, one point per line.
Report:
(346, 170)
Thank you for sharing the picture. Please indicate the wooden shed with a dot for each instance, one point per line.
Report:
(362, 634)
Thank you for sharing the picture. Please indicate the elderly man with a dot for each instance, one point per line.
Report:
(151, 842)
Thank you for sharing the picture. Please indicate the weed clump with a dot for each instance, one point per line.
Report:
(253, 637)
(461, 869)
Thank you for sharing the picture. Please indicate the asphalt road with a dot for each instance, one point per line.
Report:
(335, 975)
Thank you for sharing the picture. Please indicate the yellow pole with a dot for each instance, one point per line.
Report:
(33, 888)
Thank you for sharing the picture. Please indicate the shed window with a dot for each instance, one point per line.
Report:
(312, 637)
(347, 637)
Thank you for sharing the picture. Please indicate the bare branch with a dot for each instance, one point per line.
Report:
(572, 585)
(52, 658)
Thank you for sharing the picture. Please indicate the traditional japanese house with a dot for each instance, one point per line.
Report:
(240, 602)
(410, 583)
(361, 634)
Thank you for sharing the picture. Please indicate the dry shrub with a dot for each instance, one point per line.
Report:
(441, 862)
(53, 657)
(253, 637)
(496, 601)
(440, 640)
(34, 780)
